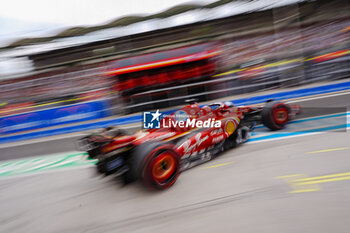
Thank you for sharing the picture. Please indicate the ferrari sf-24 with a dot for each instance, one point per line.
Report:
(157, 156)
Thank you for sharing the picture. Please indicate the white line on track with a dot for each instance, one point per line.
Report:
(38, 140)
(46, 172)
(53, 138)
(301, 99)
(50, 156)
(286, 137)
(291, 136)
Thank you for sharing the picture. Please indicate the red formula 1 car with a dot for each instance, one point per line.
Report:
(157, 156)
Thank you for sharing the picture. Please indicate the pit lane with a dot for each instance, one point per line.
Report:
(65, 143)
(243, 190)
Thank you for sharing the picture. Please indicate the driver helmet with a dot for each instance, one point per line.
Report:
(229, 104)
(205, 110)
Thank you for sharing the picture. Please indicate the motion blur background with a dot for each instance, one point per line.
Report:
(202, 49)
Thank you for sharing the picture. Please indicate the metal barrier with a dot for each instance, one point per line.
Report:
(54, 116)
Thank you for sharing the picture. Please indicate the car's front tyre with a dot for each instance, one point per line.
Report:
(275, 115)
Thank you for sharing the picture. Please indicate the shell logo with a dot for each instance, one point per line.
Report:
(230, 127)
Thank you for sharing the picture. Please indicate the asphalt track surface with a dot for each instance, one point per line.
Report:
(295, 184)
(243, 190)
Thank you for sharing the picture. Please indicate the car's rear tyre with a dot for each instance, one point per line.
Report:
(275, 115)
(156, 164)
